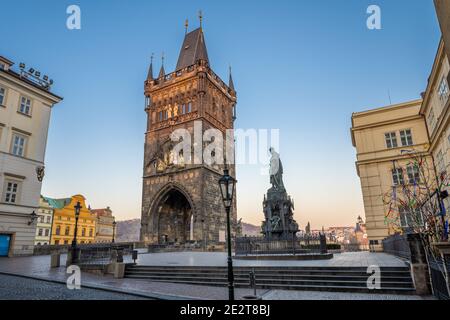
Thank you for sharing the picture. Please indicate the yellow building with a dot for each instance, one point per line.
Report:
(435, 109)
(64, 221)
(384, 139)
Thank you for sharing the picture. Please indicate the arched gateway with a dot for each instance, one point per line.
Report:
(173, 216)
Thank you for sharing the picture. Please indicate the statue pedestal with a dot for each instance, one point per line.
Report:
(279, 222)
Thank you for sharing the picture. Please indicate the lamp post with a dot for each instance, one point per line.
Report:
(226, 184)
(114, 230)
(74, 241)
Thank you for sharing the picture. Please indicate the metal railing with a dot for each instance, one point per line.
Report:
(438, 270)
(397, 245)
(261, 246)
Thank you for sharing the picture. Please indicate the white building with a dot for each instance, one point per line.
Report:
(44, 223)
(25, 107)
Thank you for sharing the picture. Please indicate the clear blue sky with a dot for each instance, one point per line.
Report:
(301, 66)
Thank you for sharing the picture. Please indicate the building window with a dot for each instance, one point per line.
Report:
(2, 96)
(25, 105)
(40, 232)
(431, 120)
(18, 145)
(58, 230)
(83, 232)
(47, 232)
(440, 164)
(57, 242)
(413, 174)
(189, 107)
(91, 232)
(397, 176)
(11, 191)
(67, 232)
(443, 91)
(160, 116)
(391, 140)
(66, 241)
(49, 219)
(410, 218)
(2, 66)
(165, 114)
(406, 138)
(41, 219)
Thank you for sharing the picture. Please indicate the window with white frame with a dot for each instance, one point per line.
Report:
(11, 193)
(397, 176)
(410, 218)
(431, 120)
(18, 145)
(391, 140)
(443, 91)
(406, 138)
(440, 164)
(25, 105)
(2, 96)
(413, 174)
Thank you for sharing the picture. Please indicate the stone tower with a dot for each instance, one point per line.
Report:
(181, 200)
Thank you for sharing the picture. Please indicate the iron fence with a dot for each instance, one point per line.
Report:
(438, 273)
(262, 246)
(397, 245)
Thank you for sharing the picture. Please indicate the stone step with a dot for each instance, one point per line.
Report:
(393, 279)
(269, 269)
(332, 282)
(362, 277)
(290, 286)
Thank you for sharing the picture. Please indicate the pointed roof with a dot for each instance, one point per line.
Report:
(162, 72)
(193, 49)
(150, 70)
(230, 82)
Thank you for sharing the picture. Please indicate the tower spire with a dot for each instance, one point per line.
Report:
(186, 25)
(150, 69)
(200, 17)
(230, 80)
(162, 72)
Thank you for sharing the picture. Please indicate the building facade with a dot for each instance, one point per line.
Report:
(384, 139)
(44, 223)
(181, 199)
(25, 107)
(63, 228)
(105, 228)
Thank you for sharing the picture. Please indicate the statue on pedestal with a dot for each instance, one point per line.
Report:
(278, 207)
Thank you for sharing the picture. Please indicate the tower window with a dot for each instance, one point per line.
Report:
(18, 145)
(11, 191)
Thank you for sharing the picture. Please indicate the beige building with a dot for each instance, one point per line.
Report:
(383, 138)
(44, 223)
(25, 107)
(435, 109)
(105, 225)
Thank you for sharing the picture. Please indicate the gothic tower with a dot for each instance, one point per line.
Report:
(181, 201)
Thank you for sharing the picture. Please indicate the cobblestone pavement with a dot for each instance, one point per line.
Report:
(322, 295)
(17, 288)
(39, 266)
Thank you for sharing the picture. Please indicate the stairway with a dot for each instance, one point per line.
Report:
(346, 279)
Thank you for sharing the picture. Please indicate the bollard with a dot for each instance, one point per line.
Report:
(134, 256)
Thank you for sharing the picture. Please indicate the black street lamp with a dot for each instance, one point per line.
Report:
(74, 241)
(226, 184)
(114, 230)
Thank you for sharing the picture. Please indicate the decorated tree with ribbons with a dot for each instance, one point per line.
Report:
(415, 203)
